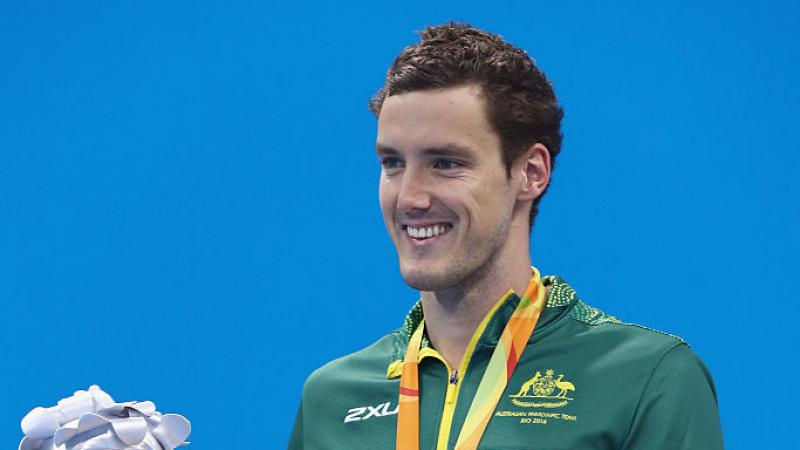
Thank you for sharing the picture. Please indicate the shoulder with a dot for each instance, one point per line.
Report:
(656, 362)
(368, 363)
(637, 357)
(650, 360)
(620, 336)
(586, 321)
(677, 407)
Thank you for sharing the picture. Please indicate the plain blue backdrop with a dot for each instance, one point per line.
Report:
(188, 195)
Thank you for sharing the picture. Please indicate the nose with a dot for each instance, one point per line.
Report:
(414, 193)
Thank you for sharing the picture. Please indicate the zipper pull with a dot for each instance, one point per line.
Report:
(454, 377)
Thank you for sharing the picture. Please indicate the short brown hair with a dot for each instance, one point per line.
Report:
(521, 105)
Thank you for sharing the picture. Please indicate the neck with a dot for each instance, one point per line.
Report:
(453, 315)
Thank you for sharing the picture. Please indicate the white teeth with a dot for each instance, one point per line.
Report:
(425, 232)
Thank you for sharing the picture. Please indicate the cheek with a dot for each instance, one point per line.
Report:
(491, 202)
(386, 198)
(466, 203)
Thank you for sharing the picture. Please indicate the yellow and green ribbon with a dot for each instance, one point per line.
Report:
(513, 341)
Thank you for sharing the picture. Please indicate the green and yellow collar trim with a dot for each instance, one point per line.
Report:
(559, 296)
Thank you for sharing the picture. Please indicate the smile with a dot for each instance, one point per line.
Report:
(427, 231)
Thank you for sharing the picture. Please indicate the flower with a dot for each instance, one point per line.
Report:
(92, 420)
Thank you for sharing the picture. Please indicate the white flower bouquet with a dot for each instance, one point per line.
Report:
(92, 420)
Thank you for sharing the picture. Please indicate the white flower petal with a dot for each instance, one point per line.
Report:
(28, 443)
(89, 421)
(130, 431)
(63, 435)
(39, 423)
(173, 430)
(147, 408)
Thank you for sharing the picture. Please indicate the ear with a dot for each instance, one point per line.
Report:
(533, 169)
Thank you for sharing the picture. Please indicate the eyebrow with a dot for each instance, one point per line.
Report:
(439, 150)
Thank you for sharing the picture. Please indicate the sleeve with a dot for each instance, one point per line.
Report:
(678, 407)
(296, 439)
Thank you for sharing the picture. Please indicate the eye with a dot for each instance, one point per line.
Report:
(446, 164)
(390, 162)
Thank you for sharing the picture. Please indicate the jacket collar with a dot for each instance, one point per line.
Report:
(559, 297)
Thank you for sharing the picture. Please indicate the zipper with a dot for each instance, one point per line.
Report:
(453, 385)
(454, 377)
(452, 388)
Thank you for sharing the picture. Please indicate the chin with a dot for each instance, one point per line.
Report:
(426, 279)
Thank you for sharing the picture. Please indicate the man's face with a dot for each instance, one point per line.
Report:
(444, 192)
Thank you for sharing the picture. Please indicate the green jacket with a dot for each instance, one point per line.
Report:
(585, 381)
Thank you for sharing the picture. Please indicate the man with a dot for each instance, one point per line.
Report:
(493, 355)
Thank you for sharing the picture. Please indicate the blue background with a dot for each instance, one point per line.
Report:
(189, 214)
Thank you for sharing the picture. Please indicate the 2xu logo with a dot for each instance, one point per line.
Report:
(368, 412)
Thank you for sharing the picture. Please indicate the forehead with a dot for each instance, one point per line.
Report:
(451, 116)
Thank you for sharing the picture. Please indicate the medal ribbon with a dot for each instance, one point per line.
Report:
(504, 359)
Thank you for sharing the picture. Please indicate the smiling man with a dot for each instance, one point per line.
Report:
(493, 355)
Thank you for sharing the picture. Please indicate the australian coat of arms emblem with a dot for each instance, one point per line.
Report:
(544, 391)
